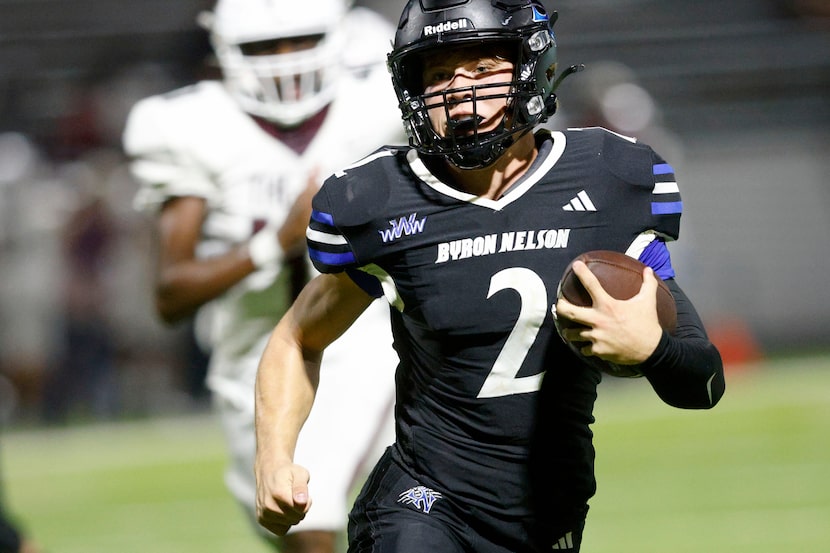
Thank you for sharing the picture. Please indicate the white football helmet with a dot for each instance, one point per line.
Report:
(285, 88)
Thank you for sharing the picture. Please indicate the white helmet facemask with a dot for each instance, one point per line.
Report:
(287, 88)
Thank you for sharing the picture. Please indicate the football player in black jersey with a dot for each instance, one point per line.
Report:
(466, 233)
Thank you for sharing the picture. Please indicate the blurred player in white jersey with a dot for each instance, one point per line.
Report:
(229, 168)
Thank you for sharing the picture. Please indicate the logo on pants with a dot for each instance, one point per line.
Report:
(420, 497)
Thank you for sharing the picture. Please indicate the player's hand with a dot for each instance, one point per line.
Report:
(292, 232)
(625, 332)
(282, 497)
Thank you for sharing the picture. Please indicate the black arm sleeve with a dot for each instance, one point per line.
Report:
(686, 369)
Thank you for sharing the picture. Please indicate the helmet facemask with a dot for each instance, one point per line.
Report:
(286, 88)
(474, 141)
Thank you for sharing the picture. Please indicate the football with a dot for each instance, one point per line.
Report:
(621, 276)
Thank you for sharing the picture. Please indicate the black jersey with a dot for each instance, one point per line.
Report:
(472, 282)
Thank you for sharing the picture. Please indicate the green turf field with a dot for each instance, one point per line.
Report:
(751, 476)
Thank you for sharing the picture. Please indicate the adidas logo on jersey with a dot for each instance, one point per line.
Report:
(580, 203)
(565, 542)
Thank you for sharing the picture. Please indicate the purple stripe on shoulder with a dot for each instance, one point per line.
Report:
(322, 217)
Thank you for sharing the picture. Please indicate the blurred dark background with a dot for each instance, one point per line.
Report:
(733, 94)
(712, 66)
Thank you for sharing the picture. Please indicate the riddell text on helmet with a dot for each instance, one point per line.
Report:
(454, 25)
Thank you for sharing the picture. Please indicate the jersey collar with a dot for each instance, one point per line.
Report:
(548, 156)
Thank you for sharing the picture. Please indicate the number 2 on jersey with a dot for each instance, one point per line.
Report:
(503, 379)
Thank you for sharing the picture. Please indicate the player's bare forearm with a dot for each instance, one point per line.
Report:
(286, 384)
(184, 282)
(285, 388)
(289, 369)
(183, 288)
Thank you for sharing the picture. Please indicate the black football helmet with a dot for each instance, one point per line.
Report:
(522, 26)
